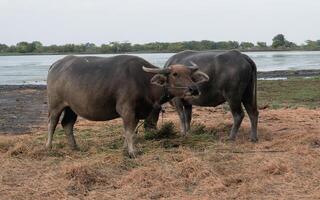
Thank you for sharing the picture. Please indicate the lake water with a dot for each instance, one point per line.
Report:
(32, 69)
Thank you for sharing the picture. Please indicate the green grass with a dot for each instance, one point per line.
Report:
(167, 137)
(166, 131)
(291, 93)
(109, 140)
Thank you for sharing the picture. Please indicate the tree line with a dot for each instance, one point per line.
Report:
(279, 42)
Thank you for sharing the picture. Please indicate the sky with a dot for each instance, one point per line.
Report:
(142, 21)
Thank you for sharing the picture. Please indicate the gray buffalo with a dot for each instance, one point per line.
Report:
(233, 79)
(101, 89)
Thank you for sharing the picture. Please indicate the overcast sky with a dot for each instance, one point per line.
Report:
(141, 21)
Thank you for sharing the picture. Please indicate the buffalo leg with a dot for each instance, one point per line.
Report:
(68, 121)
(237, 114)
(253, 115)
(53, 120)
(188, 115)
(184, 112)
(151, 121)
(130, 123)
(129, 127)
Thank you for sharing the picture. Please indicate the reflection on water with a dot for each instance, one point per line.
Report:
(273, 79)
(286, 60)
(33, 69)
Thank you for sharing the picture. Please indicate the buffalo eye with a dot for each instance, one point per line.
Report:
(175, 74)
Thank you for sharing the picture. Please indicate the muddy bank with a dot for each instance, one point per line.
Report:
(289, 73)
(22, 108)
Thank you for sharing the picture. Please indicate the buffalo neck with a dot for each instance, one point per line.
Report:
(160, 95)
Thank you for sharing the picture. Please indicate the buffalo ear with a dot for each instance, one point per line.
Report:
(200, 77)
(159, 79)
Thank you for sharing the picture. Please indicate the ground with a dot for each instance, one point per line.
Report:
(284, 164)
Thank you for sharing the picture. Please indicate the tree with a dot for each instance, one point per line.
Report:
(194, 45)
(90, 47)
(12, 49)
(36, 46)
(67, 48)
(278, 41)
(206, 45)
(24, 47)
(233, 45)
(262, 44)
(246, 45)
(289, 44)
(138, 47)
(175, 47)
(227, 45)
(115, 47)
(105, 48)
(125, 47)
(52, 49)
(3, 48)
(312, 45)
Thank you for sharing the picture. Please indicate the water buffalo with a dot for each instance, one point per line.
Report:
(233, 78)
(100, 89)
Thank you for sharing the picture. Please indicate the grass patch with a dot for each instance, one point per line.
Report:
(166, 131)
(5, 145)
(194, 142)
(116, 143)
(128, 164)
(199, 138)
(291, 93)
(198, 129)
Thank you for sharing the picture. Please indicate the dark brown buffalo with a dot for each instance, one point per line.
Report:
(233, 79)
(100, 89)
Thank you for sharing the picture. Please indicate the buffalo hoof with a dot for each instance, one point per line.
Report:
(75, 148)
(150, 128)
(231, 139)
(254, 139)
(48, 146)
(184, 134)
(131, 154)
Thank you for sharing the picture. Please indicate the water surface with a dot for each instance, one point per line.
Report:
(33, 69)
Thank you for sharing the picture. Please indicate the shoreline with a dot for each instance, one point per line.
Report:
(261, 75)
(288, 73)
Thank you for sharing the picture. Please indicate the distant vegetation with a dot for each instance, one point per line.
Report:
(278, 43)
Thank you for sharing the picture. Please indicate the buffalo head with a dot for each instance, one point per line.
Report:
(180, 80)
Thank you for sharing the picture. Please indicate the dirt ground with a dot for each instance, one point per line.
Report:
(284, 164)
(22, 108)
